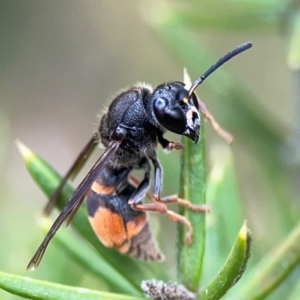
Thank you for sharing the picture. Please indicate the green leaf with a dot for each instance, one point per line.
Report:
(232, 270)
(36, 289)
(272, 270)
(48, 180)
(225, 217)
(192, 188)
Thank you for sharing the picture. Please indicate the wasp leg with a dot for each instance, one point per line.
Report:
(167, 145)
(183, 202)
(157, 176)
(159, 205)
(143, 186)
(161, 208)
(172, 199)
(208, 116)
(137, 182)
(75, 168)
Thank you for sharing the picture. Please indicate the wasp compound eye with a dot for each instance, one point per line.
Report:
(172, 119)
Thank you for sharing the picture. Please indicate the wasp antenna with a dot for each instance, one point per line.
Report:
(239, 49)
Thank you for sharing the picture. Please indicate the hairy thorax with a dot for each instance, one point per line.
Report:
(139, 142)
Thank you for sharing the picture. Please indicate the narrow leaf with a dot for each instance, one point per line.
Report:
(272, 270)
(48, 179)
(192, 188)
(36, 289)
(232, 270)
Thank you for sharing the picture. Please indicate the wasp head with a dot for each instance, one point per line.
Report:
(176, 111)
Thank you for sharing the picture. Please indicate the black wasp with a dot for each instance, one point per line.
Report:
(130, 131)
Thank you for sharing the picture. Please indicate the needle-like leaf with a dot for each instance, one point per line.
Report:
(41, 290)
(272, 270)
(192, 188)
(48, 180)
(232, 270)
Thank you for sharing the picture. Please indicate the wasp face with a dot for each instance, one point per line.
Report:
(175, 111)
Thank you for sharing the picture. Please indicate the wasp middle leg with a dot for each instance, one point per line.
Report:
(160, 204)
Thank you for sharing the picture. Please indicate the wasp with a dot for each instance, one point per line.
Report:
(130, 131)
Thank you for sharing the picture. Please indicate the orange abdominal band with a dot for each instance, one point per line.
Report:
(98, 188)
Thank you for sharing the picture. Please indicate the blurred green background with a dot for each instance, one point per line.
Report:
(61, 62)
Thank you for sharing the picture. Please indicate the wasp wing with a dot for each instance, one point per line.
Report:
(76, 199)
(75, 168)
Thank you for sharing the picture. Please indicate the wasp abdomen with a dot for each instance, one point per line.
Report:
(115, 223)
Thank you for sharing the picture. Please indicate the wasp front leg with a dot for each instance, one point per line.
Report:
(208, 116)
(167, 145)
